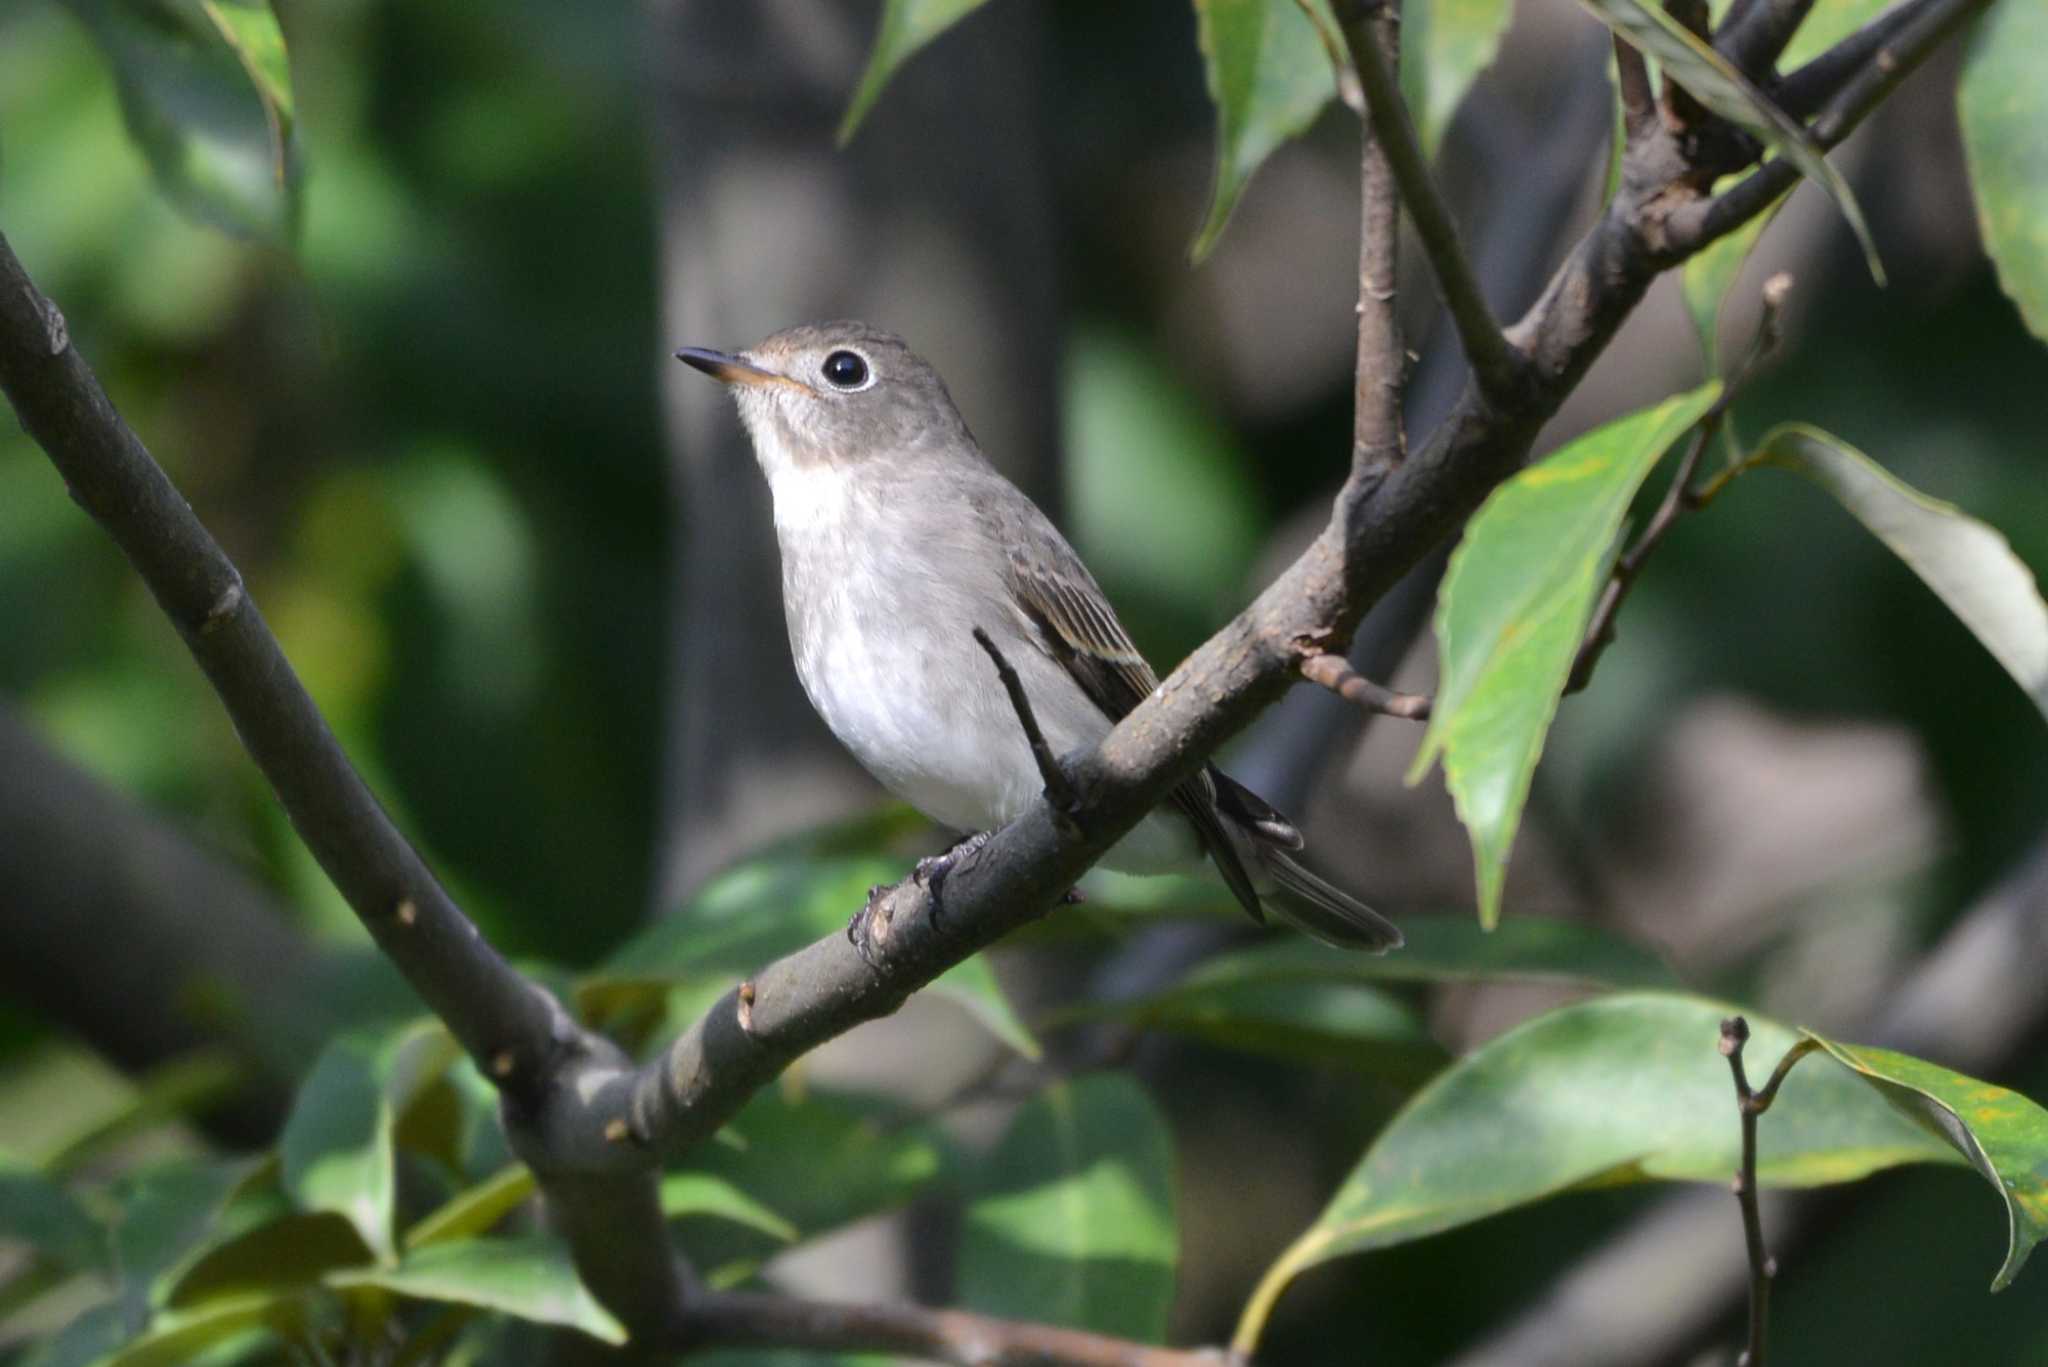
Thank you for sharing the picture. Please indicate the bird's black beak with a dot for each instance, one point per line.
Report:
(721, 366)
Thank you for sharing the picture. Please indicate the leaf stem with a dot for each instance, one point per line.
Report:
(1749, 1105)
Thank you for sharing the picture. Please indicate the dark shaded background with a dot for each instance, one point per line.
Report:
(525, 566)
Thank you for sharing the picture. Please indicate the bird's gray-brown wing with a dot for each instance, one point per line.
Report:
(1080, 630)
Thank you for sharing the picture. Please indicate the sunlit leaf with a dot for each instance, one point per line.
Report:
(2001, 1134)
(1269, 77)
(2003, 106)
(41, 1214)
(337, 1146)
(767, 908)
(178, 1340)
(1709, 78)
(531, 1278)
(702, 1193)
(1513, 607)
(476, 1210)
(1072, 1220)
(906, 26)
(1622, 1088)
(1969, 565)
(1445, 44)
(206, 91)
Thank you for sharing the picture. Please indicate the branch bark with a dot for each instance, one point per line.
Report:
(590, 1124)
(1369, 26)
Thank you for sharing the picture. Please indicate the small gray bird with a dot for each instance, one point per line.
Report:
(898, 540)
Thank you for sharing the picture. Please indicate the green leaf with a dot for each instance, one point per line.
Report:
(337, 1146)
(1453, 949)
(2003, 106)
(1969, 565)
(288, 1254)
(1707, 277)
(475, 1211)
(1072, 1220)
(531, 1278)
(1624, 1088)
(1513, 606)
(38, 1212)
(1711, 80)
(760, 911)
(701, 1193)
(1445, 44)
(1828, 23)
(179, 1340)
(823, 1161)
(907, 25)
(206, 91)
(2001, 1134)
(1304, 1021)
(1269, 76)
(170, 1215)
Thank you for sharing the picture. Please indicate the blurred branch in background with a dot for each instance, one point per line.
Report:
(934, 222)
(118, 928)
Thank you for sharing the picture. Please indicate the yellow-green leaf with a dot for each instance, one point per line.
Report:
(2001, 1134)
(1626, 1088)
(2003, 106)
(531, 1278)
(1513, 606)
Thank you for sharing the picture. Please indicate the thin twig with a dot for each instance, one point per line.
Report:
(1888, 62)
(1335, 673)
(1059, 789)
(742, 1319)
(1749, 1105)
(1681, 497)
(1762, 1267)
(1632, 81)
(1499, 367)
(1802, 92)
(1378, 441)
(1753, 40)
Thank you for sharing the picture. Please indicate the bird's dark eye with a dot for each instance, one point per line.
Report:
(846, 369)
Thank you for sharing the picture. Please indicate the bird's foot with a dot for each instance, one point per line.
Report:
(932, 870)
(870, 926)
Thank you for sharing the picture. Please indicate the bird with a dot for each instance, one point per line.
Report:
(899, 539)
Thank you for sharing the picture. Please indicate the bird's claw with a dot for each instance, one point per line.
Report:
(933, 869)
(870, 926)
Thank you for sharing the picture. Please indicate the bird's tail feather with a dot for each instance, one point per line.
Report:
(1322, 909)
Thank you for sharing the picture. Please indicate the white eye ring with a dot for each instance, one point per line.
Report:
(854, 371)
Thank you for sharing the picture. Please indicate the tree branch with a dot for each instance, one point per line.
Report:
(1498, 367)
(1888, 62)
(1753, 39)
(1335, 673)
(518, 1034)
(1801, 93)
(1681, 497)
(1762, 1267)
(1378, 441)
(1632, 83)
(589, 1124)
(735, 1319)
